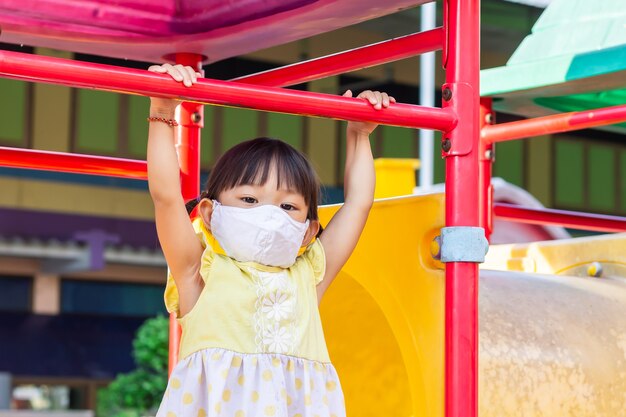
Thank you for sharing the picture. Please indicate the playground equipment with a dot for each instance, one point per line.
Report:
(551, 341)
(400, 356)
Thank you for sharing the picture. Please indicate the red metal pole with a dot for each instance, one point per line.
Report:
(571, 219)
(460, 148)
(355, 59)
(72, 163)
(486, 156)
(133, 81)
(563, 122)
(190, 119)
(173, 344)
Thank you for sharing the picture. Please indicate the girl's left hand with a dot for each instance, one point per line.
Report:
(378, 100)
(183, 74)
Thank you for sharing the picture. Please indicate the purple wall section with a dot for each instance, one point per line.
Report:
(66, 227)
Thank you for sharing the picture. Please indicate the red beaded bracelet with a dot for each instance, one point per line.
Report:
(169, 122)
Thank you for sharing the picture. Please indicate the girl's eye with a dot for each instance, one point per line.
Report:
(249, 200)
(287, 207)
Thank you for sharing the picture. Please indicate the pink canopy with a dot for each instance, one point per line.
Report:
(149, 30)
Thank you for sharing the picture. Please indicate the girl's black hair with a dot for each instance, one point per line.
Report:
(251, 162)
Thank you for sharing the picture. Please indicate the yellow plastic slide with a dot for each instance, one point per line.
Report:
(383, 316)
(550, 345)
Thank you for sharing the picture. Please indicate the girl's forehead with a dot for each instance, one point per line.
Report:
(274, 181)
(270, 186)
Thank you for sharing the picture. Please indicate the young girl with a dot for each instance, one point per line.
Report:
(247, 273)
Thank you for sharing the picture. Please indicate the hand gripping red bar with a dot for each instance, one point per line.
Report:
(132, 81)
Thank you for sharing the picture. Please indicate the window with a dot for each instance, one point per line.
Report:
(509, 163)
(55, 394)
(589, 174)
(208, 137)
(15, 293)
(97, 122)
(398, 142)
(41, 397)
(15, 106)
(622, 181)
(285, 127)
(138, 108)
(601, 178)
(238, 125)
(14, 112)
(569, 174)
(111, 298)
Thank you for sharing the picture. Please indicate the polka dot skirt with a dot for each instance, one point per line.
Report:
(219, 382)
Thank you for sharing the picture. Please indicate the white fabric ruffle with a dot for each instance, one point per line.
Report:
(219, 382)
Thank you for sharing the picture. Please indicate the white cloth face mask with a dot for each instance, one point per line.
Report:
(265, 234)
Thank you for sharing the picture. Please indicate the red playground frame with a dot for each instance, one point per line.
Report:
(463, 115)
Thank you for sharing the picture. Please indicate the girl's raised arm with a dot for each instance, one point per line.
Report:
(181, 247)
(342, 233)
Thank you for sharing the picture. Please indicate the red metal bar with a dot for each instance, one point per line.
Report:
(133, 81)
(461, 147)
(190, 120)
(355, 59)
(571, 219)
(486, 157)
(563, 122)
(73, 163)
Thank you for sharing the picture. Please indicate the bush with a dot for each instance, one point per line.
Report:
(138, 393)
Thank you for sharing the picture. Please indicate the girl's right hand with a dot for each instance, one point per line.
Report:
(185, 74)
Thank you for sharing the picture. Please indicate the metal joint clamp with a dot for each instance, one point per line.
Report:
(462, 244)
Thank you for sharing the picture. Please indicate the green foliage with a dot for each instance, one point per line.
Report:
(150, 347)
(138, 393)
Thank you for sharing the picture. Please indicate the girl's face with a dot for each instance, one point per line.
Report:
(248, 196)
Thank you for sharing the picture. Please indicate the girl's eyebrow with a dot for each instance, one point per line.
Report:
(247, 187)
(291, 191)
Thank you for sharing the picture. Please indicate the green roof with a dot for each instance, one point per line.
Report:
(574, 59)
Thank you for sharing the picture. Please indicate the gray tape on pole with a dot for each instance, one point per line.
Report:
(463, 244)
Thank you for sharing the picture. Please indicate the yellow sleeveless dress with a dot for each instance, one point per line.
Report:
(253, 344)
